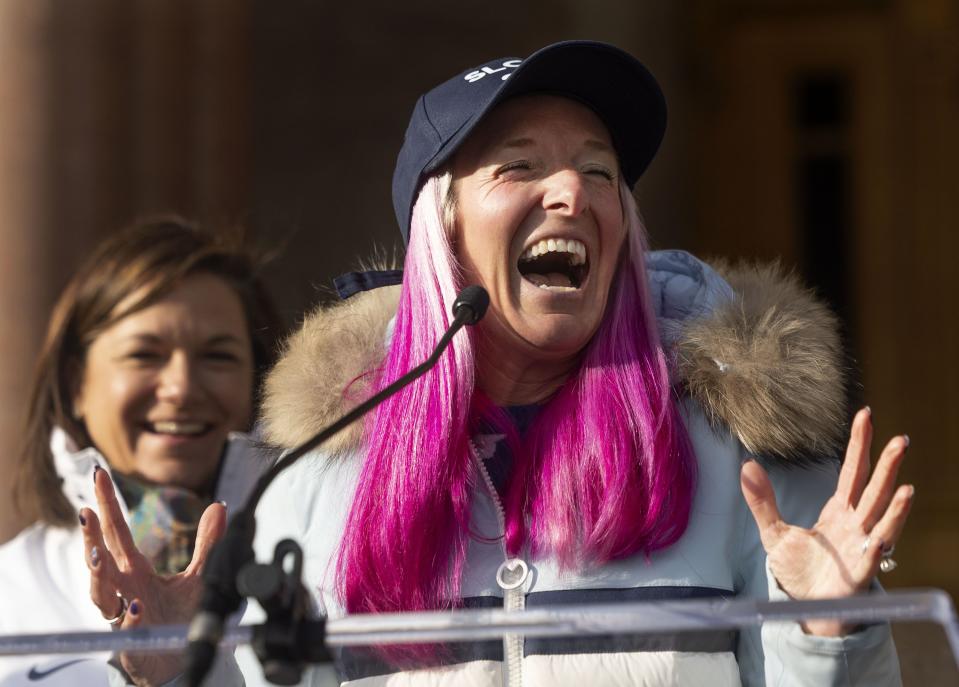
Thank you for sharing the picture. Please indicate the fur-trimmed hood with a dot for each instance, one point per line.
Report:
(748, 342)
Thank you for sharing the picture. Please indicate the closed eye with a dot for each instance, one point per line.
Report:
(514, 165)
(600, 170)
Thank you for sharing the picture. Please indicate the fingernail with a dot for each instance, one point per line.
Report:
(868, 410)
(905, 438)
(134, 608)
(96, 471)
(94, 557)
(222, 503)
(910, 492)
(83, 520)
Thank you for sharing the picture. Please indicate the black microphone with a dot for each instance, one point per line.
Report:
(220, 596)
(473, 299)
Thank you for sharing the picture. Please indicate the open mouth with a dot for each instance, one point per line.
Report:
(178, 428)
(556, 264)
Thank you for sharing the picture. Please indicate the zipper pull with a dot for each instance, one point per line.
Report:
(512, 574)
(511, 577)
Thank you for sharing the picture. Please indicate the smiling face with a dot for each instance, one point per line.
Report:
(539, 223)
(162, 387)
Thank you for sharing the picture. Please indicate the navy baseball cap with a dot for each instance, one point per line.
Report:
(610, 81)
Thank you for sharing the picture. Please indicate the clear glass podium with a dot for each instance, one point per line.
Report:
(485, 625)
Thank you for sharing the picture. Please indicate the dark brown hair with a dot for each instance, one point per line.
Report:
(152, 256)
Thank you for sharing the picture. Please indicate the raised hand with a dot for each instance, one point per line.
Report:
(124, 586)
(840, 554)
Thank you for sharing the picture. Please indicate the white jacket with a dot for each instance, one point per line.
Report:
(718, 555)
(45, 583)
(786, 405)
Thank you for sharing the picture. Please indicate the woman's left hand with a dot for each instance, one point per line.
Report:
(123, 582)
(840, 554)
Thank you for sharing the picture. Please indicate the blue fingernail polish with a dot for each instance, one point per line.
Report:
(83, 520)
(94, 557)
(135, 608)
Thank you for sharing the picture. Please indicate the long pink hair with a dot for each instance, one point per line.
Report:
(605, 470)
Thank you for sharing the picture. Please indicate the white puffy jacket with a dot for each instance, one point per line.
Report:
(759, 361)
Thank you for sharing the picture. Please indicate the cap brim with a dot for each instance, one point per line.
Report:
(614, 84)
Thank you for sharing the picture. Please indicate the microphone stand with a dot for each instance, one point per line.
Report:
(287, 640)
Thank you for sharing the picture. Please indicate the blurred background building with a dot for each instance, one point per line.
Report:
(823, 133)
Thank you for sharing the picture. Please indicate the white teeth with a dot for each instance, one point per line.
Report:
(577, 249)
(172, 427)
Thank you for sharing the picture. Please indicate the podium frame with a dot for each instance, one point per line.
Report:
(465, 625)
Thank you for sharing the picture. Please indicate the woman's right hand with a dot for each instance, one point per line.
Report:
(121, 575)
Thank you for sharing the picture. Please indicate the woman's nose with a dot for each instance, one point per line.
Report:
(565, 193)
(176, 383)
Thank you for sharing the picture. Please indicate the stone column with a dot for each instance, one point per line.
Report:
(109, 109)
(25, 35)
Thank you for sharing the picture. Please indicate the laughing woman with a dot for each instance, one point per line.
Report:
(146, 376)
(594, 439)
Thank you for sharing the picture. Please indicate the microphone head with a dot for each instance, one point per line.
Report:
(474, 300)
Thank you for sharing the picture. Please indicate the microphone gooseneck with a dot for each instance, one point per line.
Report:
(220, 596)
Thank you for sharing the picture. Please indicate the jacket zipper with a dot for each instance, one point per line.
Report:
(511, 576)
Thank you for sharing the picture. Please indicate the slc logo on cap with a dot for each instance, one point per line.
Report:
(483, 72)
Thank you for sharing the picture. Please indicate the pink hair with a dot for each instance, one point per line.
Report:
(610, 441)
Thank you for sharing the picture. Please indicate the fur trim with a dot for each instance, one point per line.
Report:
(768, 365)
(306, 389)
